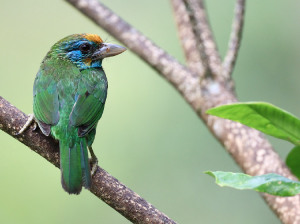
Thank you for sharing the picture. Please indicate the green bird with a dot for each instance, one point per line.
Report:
(69, 95)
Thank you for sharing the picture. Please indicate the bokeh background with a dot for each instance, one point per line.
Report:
(148, 138)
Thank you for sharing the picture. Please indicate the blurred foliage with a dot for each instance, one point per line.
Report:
(270, 183)
(272, 121)
(293, 160)
(262, 116)
(148, 138)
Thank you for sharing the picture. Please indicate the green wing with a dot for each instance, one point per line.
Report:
(45, 100)
(90, 100)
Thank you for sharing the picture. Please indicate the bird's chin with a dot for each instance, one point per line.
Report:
(97, 63)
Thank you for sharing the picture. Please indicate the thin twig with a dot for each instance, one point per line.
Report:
(104, 186)
(235, 39)
(187, 37)
(204, 37)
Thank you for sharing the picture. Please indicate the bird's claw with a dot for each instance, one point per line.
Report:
(31, 119)
(94, 163)
(34, 126)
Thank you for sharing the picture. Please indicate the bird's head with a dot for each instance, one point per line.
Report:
(84, 50)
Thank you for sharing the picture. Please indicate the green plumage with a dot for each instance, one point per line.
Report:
(69, 95)
(71, 102)
(68, 102)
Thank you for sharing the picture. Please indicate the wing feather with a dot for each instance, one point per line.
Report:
(90, 100)
(45, 101)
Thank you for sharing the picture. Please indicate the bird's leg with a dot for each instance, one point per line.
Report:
(31, 119)
(93, 160)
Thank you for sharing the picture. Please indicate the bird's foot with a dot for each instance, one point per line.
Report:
(31, 119)
(94, 163)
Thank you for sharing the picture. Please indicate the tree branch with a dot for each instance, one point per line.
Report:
(235, 39)
(157, 58)
(188, 39)
(204, 37)
(251, 151)
(104, 186)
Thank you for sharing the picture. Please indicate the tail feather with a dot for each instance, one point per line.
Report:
(85, 166)
(70, 163)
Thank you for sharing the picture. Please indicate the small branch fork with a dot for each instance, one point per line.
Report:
(203, 84)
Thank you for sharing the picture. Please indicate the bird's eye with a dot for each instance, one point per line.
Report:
(84, 48)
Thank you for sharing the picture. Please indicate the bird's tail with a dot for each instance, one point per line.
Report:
(74, 164)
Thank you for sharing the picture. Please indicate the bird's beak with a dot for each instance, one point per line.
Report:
(108, 50)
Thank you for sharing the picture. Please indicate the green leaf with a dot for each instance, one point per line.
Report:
(264, 117)
(269, 183)
(293, 161)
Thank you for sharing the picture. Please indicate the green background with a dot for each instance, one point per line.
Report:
(148, 138)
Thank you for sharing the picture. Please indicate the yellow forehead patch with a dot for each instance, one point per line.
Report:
(93, 37)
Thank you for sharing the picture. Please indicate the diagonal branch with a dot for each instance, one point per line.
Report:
(156, 57)
(235, 39)
(104, 186)
(188, 39)
(204, 36)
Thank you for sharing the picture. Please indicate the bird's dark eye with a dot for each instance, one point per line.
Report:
(84, 48)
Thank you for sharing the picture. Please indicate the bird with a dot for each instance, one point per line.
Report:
(69, 95)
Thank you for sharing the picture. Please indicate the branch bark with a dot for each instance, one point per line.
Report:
(188, 39)
(252, 152)
(156, 57)
(235, 39)
(204, 37)
(104, 186)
